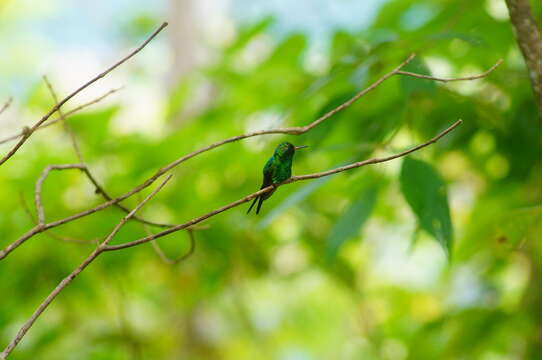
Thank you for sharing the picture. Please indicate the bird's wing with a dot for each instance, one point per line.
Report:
(268, 171)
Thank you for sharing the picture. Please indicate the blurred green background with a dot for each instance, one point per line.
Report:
(436, 256)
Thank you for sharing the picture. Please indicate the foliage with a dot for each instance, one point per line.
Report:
(330, 269)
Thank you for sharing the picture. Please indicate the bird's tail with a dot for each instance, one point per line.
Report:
(254, 202)
(259, 205)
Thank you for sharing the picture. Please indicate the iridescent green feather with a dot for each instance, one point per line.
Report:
(276, 170)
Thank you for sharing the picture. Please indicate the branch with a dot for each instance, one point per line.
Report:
(6, 105)
(168, 167)
(174, 261)
(39, 185)
(31, 130)
(68, 113)
(86, 170)
(68, 279)
(473, 77)
(530, 43)
(272, 187)
(51, 234)
(105, 247)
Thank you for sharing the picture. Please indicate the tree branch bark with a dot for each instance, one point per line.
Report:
(530, 43)
(104, 246)
(168, 167)
(68, 279)
(55, 108)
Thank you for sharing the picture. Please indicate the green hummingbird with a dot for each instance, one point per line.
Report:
(276, 170)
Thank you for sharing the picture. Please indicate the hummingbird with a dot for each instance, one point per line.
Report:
(276, 170)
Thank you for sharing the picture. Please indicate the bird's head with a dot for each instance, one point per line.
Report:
(286, 149)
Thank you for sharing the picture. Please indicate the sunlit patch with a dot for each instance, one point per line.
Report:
(262, 120)
(209, 324)
(396, 262)
(496, 96)
(459, 47)
(425, 308)
(454, 165)
(466, 288)
(141, 315)
(513, 280)
(316, 62)
(497, 9)
(138, 116)
(438, 66)
(286, 228)
(462, 197)
(219, 29)
(289, 258)
(497, 166)
(159, 212)
(254, 53)
(78, 195)
(468, 87)
(482, 143)
(393, 349)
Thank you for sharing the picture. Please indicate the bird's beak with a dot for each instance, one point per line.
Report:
(301, 147)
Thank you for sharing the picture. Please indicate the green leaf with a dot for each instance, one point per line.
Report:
(348, 224)
(425, 192)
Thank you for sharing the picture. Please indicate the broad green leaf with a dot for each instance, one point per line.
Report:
(425, 192)
(349, 223)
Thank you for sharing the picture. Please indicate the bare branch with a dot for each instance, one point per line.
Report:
(100, 249)
(31, 130)
(99, 189)
(65, 125)
(289, 181)
(51, 234)
(166, 258)
(39, 184)
(530, 43)
(6, 105)
(473, 77)
(67, 114)
(168, 167)
(105, 247)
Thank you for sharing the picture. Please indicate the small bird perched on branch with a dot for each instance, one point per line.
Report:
(276, 170)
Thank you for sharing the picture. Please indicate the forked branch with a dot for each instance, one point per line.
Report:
(55, 108)
(104, 246)
(68, 279)
(290, 130)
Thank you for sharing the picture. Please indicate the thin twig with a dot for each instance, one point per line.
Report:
(67, 114)
(39, 185)
(86, 170)
(31, 130)
(100, 249)
(51, 234)
(105, 247)
(65, 125)
(162, 255)
(292, 131)
(6, 105)
(289, 181)
(473, 77)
